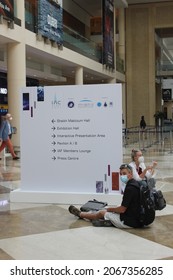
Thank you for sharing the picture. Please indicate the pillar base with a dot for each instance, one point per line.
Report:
(63, 198)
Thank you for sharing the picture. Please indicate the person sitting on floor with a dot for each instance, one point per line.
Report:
(127, 214)
(141, 172)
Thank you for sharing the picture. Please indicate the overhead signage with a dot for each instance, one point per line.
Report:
(108, 33)
(167, 89)
(167, 94)
(50, 23)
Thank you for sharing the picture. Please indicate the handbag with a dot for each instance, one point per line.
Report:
(93, 205)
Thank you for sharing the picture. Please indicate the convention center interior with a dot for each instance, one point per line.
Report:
(86, 92)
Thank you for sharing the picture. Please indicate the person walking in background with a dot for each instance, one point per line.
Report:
(143, 123)
(9, 118)
(4, 137)
(142, 134)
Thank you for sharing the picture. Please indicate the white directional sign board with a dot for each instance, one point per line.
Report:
(71, 139)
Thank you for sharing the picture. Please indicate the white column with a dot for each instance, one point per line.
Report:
(115, 51)
(16, 66)
(16, 69)
(79, 76)
(21, 11)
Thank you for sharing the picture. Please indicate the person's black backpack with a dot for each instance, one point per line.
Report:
(159, 199)
(151, 200)
(147, 206)
(156, 195)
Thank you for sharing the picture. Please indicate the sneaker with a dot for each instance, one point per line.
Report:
(102, 223)
(73, 210)
(16, 158)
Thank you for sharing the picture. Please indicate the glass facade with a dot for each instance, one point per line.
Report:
(72, 38)
(15, 8)
(75, 41)
(30, 15)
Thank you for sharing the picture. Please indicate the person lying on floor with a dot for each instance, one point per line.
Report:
(127, 214)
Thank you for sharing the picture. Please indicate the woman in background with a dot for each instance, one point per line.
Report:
(141, 172)
(5, 139)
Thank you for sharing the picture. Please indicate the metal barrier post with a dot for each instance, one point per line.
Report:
(143, 140)
(148, 138)
(139, 140)
(149, 135)
(170, 141)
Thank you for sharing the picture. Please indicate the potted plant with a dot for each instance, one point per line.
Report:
(159, 117)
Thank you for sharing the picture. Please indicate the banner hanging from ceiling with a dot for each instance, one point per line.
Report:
(108, 32)
(7, 9)
(50, 20)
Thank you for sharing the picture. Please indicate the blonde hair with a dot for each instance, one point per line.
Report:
(133, 153)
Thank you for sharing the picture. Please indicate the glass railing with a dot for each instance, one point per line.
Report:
(120, 65)
(165, 66)
(73, 40)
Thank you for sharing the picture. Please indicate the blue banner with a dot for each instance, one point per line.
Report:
(50, 23)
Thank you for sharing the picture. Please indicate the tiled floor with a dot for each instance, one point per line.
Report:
(48, 231)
